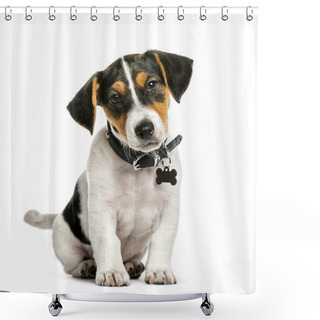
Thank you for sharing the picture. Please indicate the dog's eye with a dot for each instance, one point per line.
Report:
(115, 98)
(152, 85)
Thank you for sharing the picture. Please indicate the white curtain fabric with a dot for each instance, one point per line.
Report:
(43, 150)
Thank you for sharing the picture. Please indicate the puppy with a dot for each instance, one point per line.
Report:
(118, 211)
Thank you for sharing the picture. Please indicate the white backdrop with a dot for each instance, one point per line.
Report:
(44, 150)
(287, 260)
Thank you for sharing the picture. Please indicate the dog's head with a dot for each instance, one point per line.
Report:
(134, 94)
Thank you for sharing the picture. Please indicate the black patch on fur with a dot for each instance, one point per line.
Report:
(81, 107)
(71, 216)
(178, 71)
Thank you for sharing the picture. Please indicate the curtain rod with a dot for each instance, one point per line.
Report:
(125, 7)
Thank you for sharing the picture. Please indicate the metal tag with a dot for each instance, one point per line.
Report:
(166, 175)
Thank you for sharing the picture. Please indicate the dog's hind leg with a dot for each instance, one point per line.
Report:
(134, 268)
(71, 252)
(86, 269)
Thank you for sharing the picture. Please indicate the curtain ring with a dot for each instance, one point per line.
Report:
(52, 10)
(7, 15)
(116, 17)
(249, 16)
(138, 16)
(28, 16)
(93, 17)
(160, 16)
(180, 13)
(73, 12)
(203, 13)
(224, 13)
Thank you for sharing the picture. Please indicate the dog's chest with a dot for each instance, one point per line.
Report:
(140, 204)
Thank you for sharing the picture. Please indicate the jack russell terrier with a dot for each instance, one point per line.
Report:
(123, 205)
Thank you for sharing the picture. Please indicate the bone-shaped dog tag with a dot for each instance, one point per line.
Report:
(166, 175)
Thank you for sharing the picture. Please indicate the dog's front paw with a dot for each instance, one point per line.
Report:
(112, 278)
(160, 276)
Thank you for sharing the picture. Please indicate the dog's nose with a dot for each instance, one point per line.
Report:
(144, 130)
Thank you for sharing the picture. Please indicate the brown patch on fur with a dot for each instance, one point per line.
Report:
(141, 79)
(137, 55)
(120, 123)
(162, 109)
(95, 87)
(120, 87)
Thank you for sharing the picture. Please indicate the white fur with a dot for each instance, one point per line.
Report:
(39, 220)
(131, 85)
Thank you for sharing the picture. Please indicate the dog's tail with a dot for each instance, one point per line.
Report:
(42, 221)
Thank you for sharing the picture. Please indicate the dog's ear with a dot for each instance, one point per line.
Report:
(83, 106)
(176, 70)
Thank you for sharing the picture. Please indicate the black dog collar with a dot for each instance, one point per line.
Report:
(140, 159)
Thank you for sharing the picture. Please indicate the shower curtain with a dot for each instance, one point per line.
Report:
(138, 79)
